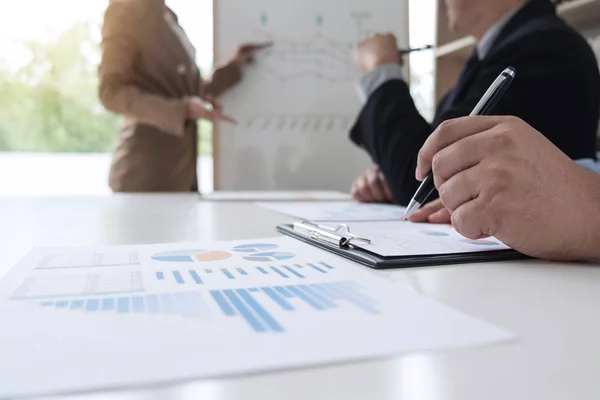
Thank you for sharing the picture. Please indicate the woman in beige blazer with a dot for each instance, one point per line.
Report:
(149, 75)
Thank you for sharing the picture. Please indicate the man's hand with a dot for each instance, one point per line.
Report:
(371, 187)
(245, 53)
(209, 110)
(433, 212)
(376, 51)
(500, 177)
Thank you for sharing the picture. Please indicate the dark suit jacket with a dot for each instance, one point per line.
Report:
(146, 75)
(556, 90)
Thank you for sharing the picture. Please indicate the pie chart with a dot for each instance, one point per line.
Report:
(189, 256)
(254, 248)
(270, 256)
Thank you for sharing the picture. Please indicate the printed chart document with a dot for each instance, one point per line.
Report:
(276, 195)
(100, 318)
(337, 211)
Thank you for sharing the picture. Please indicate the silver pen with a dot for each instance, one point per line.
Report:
(484, 107)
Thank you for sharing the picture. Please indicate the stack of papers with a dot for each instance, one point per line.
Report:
(337, 211)
(276, 196)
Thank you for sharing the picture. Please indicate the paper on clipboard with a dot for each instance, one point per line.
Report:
(400, 238)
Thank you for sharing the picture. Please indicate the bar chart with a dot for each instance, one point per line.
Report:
(185, 304)
(200, 276)
(269, 256)
(254, 247)
(251, 303)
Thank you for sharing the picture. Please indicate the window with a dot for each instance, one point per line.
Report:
(55, 136)
(422, 17)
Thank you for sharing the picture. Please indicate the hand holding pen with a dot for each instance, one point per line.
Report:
(378, 50)
(483, 107)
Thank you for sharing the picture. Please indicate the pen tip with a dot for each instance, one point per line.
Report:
(410, 210)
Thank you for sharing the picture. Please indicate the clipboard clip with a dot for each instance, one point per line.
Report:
(340, 236)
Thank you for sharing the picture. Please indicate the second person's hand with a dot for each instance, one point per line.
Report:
(371, 187)
(433, 212)
(246, 52)
(197, 109)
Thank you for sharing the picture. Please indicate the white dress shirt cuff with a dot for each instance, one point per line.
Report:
(590, 164)
(371, 81)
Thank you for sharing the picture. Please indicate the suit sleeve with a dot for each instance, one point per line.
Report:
(556, 90)
(118, 91)
(223, 79)
(392, 131)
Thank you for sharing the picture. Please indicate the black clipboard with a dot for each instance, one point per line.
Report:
(332, 240)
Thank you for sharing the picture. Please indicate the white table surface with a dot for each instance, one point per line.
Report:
(554, 308)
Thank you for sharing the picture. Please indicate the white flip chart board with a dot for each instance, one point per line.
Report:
(298, 101)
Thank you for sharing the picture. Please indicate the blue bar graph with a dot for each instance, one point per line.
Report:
(306, 298)
(249, 305)
(153, 304)
(77, 304)
(168, 304)
(260, 311)
(123, 305)
(203, 276)
(323, 300)
(264, 271)
(283, 292)
(326, 292)
(62, 304)
(278, 272)
(108, 304)
(353, 298)
(254, 305)
(244, 311)
(195, 277)
(137, 304)
(291, 270)
(92, 305)
(184, 304)
(277, 298)
(222, 303)
(317, 268)
(178, 277)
